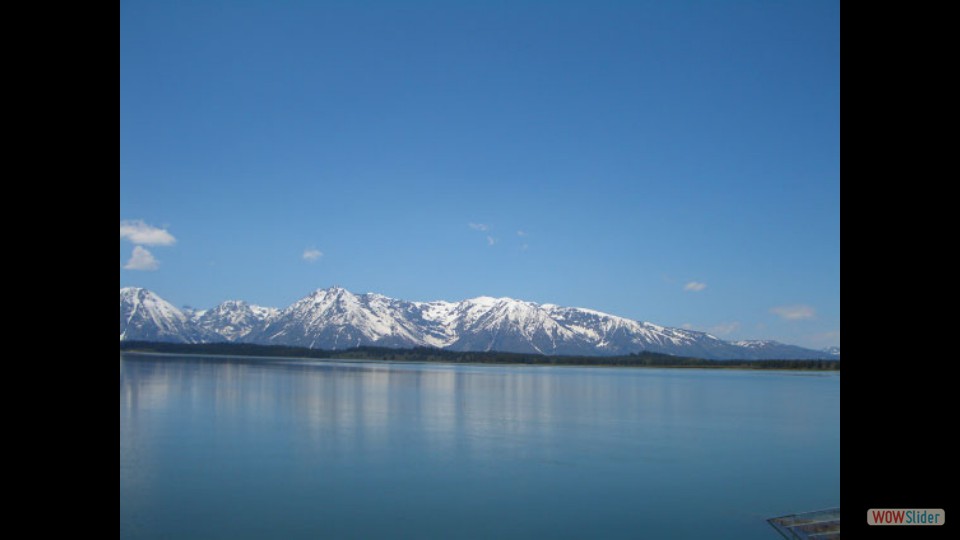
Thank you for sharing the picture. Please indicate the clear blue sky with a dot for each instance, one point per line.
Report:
(675, 162)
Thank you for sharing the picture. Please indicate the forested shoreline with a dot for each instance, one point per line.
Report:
(423, 354)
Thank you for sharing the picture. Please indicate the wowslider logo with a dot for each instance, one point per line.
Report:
(905, 517)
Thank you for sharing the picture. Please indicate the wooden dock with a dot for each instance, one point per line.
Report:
(819, 525)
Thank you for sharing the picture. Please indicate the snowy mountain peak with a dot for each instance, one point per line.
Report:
(755, 344)
(330, 297)
(147, 317)
(332, 292)
(490, 301)
(234, 320)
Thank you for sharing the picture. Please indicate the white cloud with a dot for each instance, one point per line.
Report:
(724, 329)
(479, 227)
(794, 313)
(142, 260)
(142, 234)
(491, 241)
(695, 286)
(312, 255)
(522, 233)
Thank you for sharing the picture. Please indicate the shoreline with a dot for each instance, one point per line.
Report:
(571, 362)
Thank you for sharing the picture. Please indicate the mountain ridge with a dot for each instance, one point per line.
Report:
(337, 319)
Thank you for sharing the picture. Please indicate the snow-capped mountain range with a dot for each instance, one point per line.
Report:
(336, 319)
(234, 320)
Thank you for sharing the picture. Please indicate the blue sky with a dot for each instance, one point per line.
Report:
(675, 162)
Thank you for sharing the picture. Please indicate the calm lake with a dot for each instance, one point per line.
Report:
(233, 448)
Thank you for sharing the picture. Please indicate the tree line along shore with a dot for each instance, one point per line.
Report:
(423, 354)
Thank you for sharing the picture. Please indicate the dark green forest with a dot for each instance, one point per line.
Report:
(423, 354)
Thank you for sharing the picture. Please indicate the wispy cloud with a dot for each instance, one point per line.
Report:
(794, 313)
(483, 227)
(522, 234)
(724, 329)
(142, 260)
(312, 255)
(695, 287)
(142, 234)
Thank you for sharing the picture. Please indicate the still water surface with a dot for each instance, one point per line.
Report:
(232, 448)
